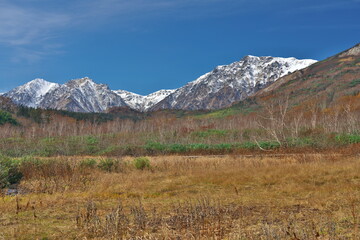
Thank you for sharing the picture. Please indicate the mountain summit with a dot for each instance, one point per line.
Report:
(32, 93)
(231, 83)
(82, 95)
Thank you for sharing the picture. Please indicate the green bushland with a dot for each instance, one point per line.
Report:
(197, 142)
(210, 133)
(9, 171)
(345, 139)
(92, 144)
(111, 165)
(303, 142)
(6, 117)
(38, 115)
(13, 166)
(88, 163)
(242, 107)
(354, 83)
(159, 148)
(142, 163)
(13, 170)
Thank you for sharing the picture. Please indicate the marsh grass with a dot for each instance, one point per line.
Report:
(307, 196)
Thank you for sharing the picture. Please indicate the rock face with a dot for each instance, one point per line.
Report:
(140, 102)
(231, 83)
(217, 89)
(354, 51)
(82, 95)
(32, 93)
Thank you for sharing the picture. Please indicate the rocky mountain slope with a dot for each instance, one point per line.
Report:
(143, 103)
(32, 93)
(331, 83)
(82, 95)
(231, 83)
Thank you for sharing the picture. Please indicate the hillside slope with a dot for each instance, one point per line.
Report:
(329, 83)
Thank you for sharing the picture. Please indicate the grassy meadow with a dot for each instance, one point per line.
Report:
(299, 196)
(284, 172)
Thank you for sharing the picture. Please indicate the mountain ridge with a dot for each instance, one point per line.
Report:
(143, 102)
(82, 95)
(219, 88)
(227, 84)
(31, 92)
(330, 86)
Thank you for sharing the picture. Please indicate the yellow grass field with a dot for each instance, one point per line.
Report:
(314, 196)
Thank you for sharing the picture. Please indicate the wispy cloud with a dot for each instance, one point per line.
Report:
(29, 32)
(32, 27)
(21, 26)
(124, 10)
(328, 6)
(317, 27)
(31, 55)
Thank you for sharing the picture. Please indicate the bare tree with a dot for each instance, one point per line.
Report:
(273, 119)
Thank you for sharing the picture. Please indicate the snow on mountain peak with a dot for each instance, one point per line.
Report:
(83, 95)
(219, 88)
(249, 57)
(227, 84)
(44, 86)
(140, 102)
(38, 81)
(81, 81)
(31, 93)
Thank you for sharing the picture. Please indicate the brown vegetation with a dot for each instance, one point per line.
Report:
(277, 126)
(290, 197)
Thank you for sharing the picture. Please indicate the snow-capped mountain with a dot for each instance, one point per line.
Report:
(156, 97)
(32, 93)
(143, 103)
(133, 100)
(231, 83)
(82, 95)
(217, 89)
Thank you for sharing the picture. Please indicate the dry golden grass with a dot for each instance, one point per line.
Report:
(349, 59)
(313, 196)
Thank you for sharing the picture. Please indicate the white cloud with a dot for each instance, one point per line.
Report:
(21, 26)
(329, 6)
(29, 27)
(29, 32)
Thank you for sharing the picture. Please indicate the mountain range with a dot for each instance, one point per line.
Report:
(217, 89)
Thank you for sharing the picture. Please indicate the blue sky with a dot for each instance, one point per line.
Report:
(147, 45)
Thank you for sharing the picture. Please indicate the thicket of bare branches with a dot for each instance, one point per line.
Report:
(277, 121)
